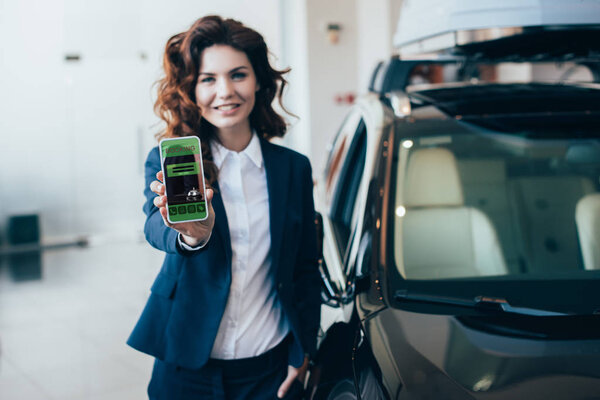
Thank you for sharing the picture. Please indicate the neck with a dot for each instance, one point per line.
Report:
(235, 139)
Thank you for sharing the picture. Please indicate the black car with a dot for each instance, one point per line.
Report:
(460, 217)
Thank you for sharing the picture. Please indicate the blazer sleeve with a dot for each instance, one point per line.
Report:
(157, 233)
(306, 272)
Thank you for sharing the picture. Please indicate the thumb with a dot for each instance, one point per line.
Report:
(209, 208)
(209, 195)
(285, 386)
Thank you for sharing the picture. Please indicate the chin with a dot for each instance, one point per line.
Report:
(226, 124)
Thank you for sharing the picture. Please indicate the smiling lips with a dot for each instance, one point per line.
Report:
(227, 107)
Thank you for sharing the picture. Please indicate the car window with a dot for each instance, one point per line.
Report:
(347, 187)
(336, 151)
(470, 202)
(338, 155)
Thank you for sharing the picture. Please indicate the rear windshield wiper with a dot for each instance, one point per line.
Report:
(482, 303)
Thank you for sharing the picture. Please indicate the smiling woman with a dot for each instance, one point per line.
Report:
(233, 313)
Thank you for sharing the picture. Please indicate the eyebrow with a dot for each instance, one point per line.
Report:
(233, 70)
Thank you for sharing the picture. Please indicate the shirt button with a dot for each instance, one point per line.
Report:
(280, 286)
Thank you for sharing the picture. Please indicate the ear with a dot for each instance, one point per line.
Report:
(257, 86)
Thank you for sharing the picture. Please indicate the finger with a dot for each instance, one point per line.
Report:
(159, 201)
(209, 195)
(157, 188)
(159, 175)
(163, 213)
(287, 383)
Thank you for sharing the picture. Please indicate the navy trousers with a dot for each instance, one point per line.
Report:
(255, 378)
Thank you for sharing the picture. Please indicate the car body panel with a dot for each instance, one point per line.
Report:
(437, 354)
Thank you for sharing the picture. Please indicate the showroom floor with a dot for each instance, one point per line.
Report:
(63, 327)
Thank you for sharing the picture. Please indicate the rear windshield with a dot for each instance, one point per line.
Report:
(471, 202)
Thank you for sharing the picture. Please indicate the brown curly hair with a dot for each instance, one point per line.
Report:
(176, 101)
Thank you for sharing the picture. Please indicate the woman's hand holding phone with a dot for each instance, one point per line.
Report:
(193, 233)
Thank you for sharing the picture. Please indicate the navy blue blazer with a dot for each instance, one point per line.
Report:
(180, 320)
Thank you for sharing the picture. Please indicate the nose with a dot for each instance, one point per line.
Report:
(224, 88)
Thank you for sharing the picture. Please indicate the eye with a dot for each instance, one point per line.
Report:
(238, 75)
(207, 79)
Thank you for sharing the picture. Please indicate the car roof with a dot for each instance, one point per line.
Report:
(433, 26)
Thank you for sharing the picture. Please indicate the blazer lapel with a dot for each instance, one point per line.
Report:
(277, 169)
(221, 224)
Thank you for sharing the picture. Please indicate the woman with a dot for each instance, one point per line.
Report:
(234, 311)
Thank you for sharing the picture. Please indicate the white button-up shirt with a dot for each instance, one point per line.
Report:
(253, 321)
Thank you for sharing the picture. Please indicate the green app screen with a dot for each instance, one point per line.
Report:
(183, 179)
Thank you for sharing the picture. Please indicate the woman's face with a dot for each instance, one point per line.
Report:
(226, 88)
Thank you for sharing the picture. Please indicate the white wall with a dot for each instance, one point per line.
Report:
(293, 54)
(76, 134)
(32, 112)
(332, 70)
(375, 39)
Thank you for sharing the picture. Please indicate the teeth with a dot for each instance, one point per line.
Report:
(228, 107)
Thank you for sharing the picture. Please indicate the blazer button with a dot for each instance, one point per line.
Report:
(280, 286)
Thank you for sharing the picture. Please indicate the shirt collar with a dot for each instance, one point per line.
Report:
(252, 151)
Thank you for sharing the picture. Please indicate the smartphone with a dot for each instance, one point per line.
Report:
(181, 163)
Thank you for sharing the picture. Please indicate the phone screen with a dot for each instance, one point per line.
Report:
(183, 179)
